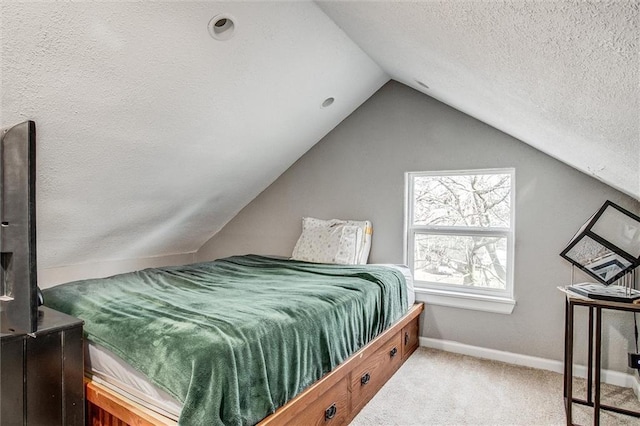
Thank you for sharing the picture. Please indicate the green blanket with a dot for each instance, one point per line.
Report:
(236, 338)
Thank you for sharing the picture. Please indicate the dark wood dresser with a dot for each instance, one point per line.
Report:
(41, 374)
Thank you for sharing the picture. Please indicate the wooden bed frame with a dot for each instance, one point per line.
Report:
(333, 400)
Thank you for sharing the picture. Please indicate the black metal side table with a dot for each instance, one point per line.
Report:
(594, 354)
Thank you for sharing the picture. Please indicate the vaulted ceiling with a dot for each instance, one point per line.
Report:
(152, 134)
(562, 76)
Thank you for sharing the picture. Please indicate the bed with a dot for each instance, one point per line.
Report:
(242, 340)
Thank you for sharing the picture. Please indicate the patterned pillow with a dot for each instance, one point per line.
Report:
(328, 241)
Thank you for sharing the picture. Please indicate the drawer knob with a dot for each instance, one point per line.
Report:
(406, 338)
(393, 352)
(365, 379)
(330, 412)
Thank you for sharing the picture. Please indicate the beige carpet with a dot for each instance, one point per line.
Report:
(441, 388)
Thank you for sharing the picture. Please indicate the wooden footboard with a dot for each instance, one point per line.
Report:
(333, 400)
(107, 408)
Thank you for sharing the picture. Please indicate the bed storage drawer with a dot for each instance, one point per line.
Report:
(331, 408)
(313, 406)
(374, 371)
(410, 338)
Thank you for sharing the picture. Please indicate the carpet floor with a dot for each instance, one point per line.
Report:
(442, 388)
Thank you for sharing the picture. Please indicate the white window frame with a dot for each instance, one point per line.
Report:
(490, 300)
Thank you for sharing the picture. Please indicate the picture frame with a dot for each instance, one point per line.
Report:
(607, 246)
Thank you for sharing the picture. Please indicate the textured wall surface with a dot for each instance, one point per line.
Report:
(562, 76)
(357, 172)
(151, 134)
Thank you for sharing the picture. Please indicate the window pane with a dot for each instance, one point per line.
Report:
(461, 260)
(467, 200)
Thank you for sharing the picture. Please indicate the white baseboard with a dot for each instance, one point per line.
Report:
(608, 376)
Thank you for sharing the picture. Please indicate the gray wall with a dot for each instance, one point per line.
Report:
(357, 172)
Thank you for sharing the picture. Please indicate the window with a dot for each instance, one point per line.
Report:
(460, 236)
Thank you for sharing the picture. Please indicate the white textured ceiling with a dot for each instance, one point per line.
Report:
(152, 135)
(562, 76)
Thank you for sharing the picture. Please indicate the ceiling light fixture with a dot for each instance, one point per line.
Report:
(327, 102)
(221, 27)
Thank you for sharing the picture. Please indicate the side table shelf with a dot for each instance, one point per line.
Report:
(594, 354)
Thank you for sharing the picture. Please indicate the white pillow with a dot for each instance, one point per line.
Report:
(332, 241)
(365, 245)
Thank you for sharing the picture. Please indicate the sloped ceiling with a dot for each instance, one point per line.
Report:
(562, 76)
(152, 135)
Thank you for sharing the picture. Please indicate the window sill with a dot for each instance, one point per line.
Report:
(478, 302)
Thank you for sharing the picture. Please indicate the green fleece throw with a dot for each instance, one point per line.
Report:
(236, 338)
